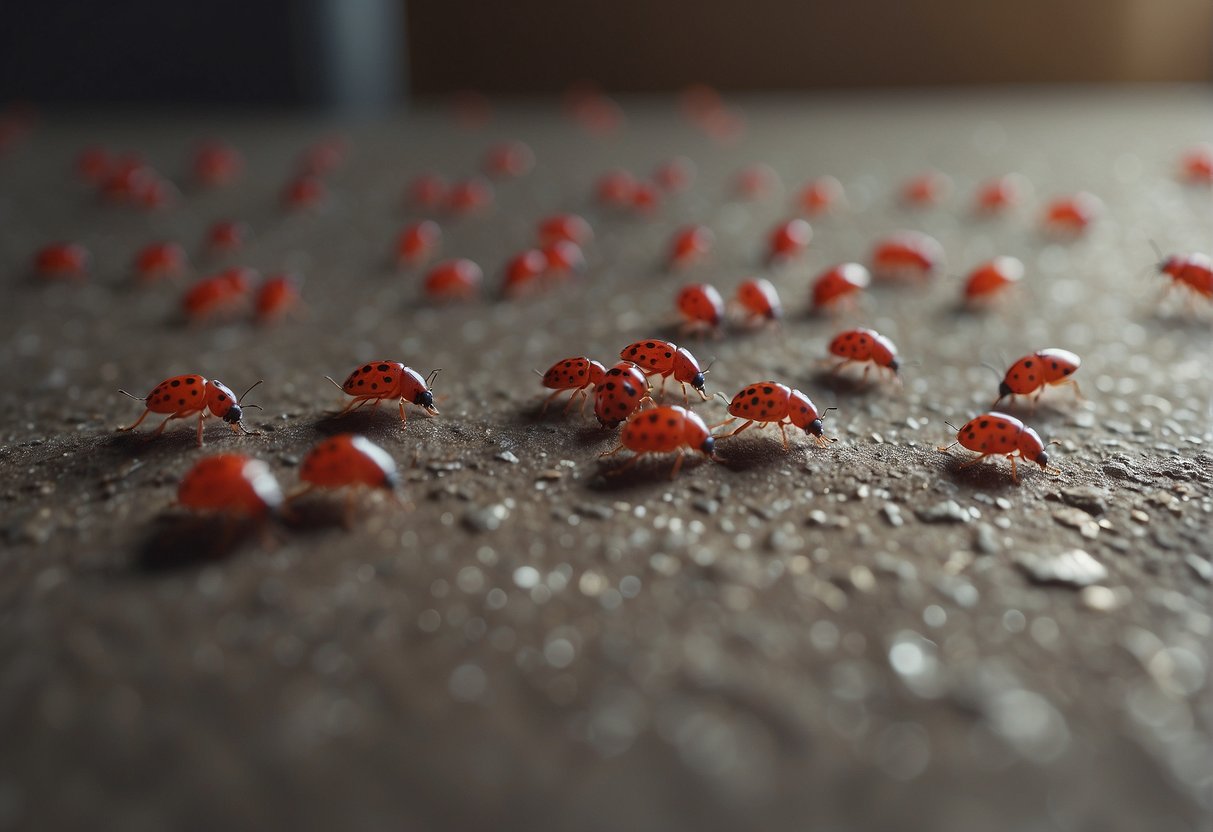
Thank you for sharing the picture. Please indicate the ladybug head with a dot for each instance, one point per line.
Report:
(1042, 459)
(709, 446)
(425, 400)
(698, 381)
(894, 364)
(815, 427)
(234, 414)
(1004, 390)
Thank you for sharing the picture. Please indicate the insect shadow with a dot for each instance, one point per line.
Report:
(370, 421)
(178, 541)
(170, 443)
(845, 384)
(993, 474)
(757, 451)
(654, 471)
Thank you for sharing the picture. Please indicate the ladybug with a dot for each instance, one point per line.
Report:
(523, 271)
(666, 359)
(382, 380)
(457, 279)
(350, 461)
(661, 430)
(788, 239)
(417, 242)
(159, 260)
(216, 163)
(1071, 216)
(926, 189)
(621, 393)
(992, 278)
(675, 175)
(428, 190)
(278, 296)
(700, 306)
(839, 285)
(226, 235)
(1033, 373)
(184, 396)
(62, 260)
(576, 374)
(509, 160)
(756, 182)
(1196, 165)
(221, 294)
(820, 196)
(154, 192)
(571, 228)
(865, 346)
(323, 156)
(646, 198)
(1192, 271)
(759, 301)
(689, 245)
(469, 195)
(616, 189)
(997, 434)
(907, 254)
(998, 195)
(769, 402)
(304, 192)
(564, 258)
(230, 484)
(127, 175)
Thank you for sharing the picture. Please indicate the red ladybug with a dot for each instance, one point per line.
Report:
(470, 195)
(690, 245)
(997, 434)
(992, 278)
(348, 461)
(159, 260)
(758, 300)
(304, 192)
(867, 347)
(998, 195)
(1196, 165)
(772, 403)
(821, 196)
(457, 279)
(1033, 373)
(666, 359)
(184, 396)
(564, 258)
(572, 228)
(662, 430)
(839, 285)
(576, 374)
(1071, 216)
(62, 260)
(523, 272)
(379, 381)
(926, 189)
(226, 235)
(907, 254)
(418, 242)
(616, 189)
(220, 295)
(509, 160)
(216, 163)
(230, 484)
(675, 175)
(127, 176)
(428, 190)
(621, 393)
(154, 192)
(278, 296)
(646, 198)
(1192, 271)
(788, 240)
(700, 306)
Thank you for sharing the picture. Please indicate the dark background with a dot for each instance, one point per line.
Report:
(371, 54)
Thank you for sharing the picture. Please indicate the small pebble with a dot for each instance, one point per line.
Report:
(949, 511)
(486, 519)
(1073, 568)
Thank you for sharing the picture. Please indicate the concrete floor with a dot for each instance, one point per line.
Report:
(859, 637)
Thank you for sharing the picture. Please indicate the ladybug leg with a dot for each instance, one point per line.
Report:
(613, 451)
(743, 427)
(403, 416)
(727, 421)
(945, 448)
(1014, 468)
(585, 399)
(137, 421)
(677, 464)
(579, 392)
(352, 404)
(784, 432)
(1078, 396)
(978, 459)
(548, 401)
(160, 428)
(201, 419)
(614, 472)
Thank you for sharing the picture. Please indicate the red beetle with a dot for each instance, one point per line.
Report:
(220, 295)
(61, 260)
(665, 429)
(821, 196)
(788, 240)
(184, 396)
(216, 163)
(577, 374)
(772, 403)
(867, 347)
(690, 245)
(230, 484)
(381, 381)
(159, 260)
(1071, 216)
(839, 285)
(278, 296)
(457, 279)
(907, 254)
(418, 242)
(997, 434)
(1033, 373)
(666, 359)
(992, 278)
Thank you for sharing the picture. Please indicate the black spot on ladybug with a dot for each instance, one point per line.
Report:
(175, 382)
(768, 390)
(374, 385)
(222, 397)
(367, 368)
(985, 423)
(672, 422)
(1028, 363)
(1067, 371)
(610, 385)
(180, 401)
(651, 345)
(387, 379)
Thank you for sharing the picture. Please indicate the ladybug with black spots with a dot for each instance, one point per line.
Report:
(997, 434)
(576, 374)
(348, 461)
(771, 403)
(867, 347)
(622, 391)
(1192, 271)
(1033, 373)
(230, 484)
(184, 396)
(666, 359)
(381, 381)
(701, 308)
(662, 430)
(758, 301)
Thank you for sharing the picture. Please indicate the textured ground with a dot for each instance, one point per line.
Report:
(847, 638)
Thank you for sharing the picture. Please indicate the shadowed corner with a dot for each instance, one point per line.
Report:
(178, 541)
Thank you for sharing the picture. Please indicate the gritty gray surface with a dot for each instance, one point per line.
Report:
(858, 637)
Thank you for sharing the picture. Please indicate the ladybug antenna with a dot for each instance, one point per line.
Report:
(536, 372)
(132, 395)
(335, 384)
(429, 381)
(722, 397)
(952, 426)
(992, 369)
(1157, 251)
(711, 364)
(246, 392)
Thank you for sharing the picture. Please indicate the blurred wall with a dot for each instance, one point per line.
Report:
(543, 45)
